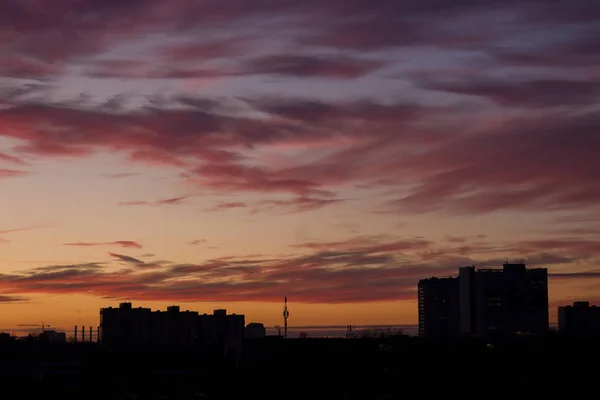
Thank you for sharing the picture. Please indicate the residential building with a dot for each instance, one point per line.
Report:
(491, 302)
(126, 325)
(438, 307)
(579, 320)
(509, 301)
(52, 336)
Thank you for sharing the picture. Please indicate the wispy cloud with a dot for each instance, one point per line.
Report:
(226, 206)
(25, 228)
(11, 299)
(120, 243)
(438, 152)
(12, 173)
(11, 159)
(169, 201)
(172, 200)
(121, 175)
(362, 269)
(137, 262)
(438, 147)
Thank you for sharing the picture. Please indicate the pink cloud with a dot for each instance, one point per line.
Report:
(25, 228)
(443, 157)
(373, 243)
(455, 171)
(227, 206)
(134, 203)
(169, 201)
(533, 93)
(12, 173)
(303, 203)
(581, 247)
(205, 50)
(121, 175)
(362, 269)
(173, 200)
(306, 66)
(120, 243)
(19, 67)
(11, 159)
(456, 239)
(32, 31)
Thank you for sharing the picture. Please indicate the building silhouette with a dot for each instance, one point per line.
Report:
(6, 337)
(255, 330)
(438, 307)
(52, 336)
(127, 325)
(221, 327)
(579, 320)
(491, 302)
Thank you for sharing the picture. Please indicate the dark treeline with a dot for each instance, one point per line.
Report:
(392, 368)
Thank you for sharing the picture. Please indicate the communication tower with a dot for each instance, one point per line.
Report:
(286, 314)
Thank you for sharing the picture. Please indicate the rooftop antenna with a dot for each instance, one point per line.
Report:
(286, 314)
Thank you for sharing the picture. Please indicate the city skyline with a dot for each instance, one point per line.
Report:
(225, 155)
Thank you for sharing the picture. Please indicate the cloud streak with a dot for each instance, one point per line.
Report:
(362, 269)
(120, 243)
(11, 299)
(12, 173)
(436, 122)
(450, 170)
(11, 159)
(169, 201)
(227, 206)
(23, 229)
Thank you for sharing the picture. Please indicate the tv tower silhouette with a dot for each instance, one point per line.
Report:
(286, 314)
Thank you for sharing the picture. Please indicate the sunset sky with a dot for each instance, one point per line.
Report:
(225, 154)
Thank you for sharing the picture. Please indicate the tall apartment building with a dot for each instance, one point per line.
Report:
(438, 307)
(491, 302)
(126, 325)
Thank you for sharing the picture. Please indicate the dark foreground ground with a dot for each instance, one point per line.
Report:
(307, 369)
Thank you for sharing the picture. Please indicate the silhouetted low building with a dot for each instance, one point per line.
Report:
(53, 337)
(6, 337)
(126, 325)
(255, 330)
(579, 320)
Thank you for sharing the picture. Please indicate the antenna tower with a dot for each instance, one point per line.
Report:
(286, 314)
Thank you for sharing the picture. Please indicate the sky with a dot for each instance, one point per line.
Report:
(225, 154)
